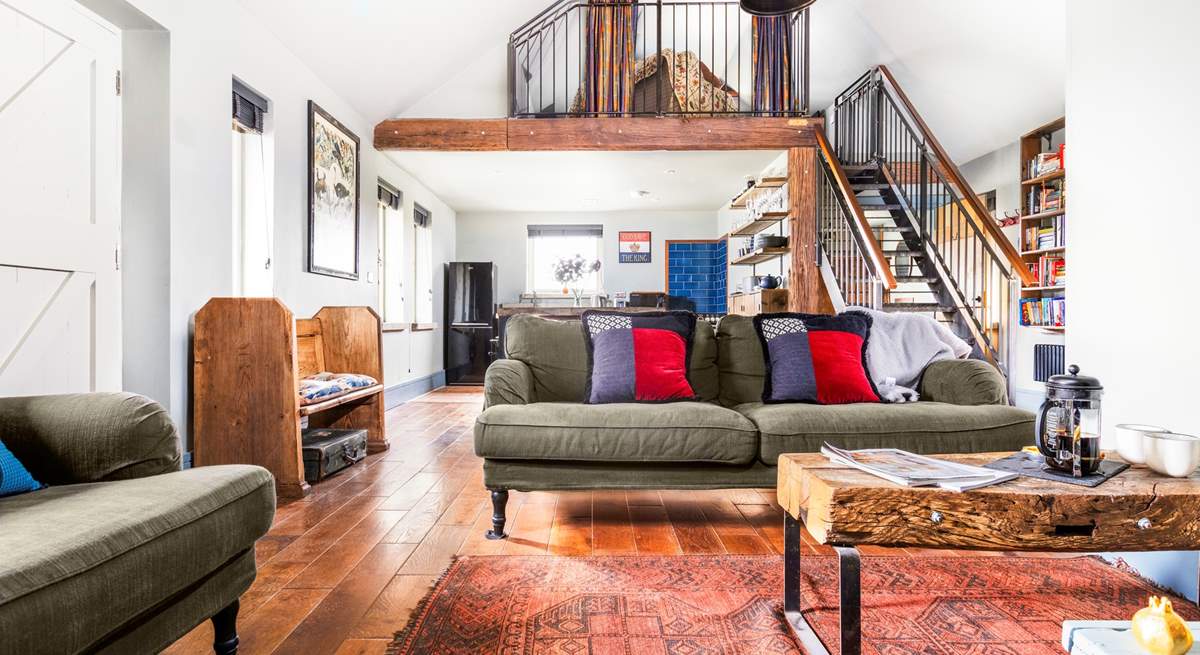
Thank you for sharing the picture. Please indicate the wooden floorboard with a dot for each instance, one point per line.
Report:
(342, 570)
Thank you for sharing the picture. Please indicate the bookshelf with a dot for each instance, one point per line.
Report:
(762, 211)
(1043, 227)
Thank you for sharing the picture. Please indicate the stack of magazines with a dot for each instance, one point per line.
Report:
(912, 470)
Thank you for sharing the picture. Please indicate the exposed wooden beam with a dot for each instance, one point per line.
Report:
(470, 134)
(664, 133)
(612, 134)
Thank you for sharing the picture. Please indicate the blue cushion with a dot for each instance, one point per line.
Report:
(14, 479)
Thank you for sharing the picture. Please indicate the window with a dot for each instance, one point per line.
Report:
(550, 243)
(253, 244)
(423, 264)
(391, 254)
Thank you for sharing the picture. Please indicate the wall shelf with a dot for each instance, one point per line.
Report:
(1052, 175)
(1043, 215)
(764, 222)
(1043, 251)
(759, 256)
(765, 183)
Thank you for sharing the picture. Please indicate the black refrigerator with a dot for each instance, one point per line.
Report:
(470, 321)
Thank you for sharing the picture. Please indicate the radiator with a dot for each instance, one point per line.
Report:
(1048, 359)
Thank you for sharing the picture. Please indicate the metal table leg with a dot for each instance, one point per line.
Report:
(849, 596)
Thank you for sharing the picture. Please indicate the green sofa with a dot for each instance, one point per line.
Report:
(535, 434)
(123, 552)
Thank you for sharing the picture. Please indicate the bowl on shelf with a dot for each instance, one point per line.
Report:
(1131, 438)
(1172, 453)
(769, 241)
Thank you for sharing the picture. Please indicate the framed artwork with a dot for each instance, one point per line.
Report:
(634, 248)
(333, 165)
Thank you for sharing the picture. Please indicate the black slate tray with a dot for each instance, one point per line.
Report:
(1034, 466)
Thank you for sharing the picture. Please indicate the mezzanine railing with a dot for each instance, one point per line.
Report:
(678, 57)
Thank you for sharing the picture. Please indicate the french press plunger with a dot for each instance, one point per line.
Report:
(1068, 423)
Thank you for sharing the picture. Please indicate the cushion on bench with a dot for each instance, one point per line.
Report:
(923, 427)
(621, 432)
(323, 386)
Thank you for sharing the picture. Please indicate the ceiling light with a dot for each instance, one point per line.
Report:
(639, 193)
(670, 171)
(774, 7)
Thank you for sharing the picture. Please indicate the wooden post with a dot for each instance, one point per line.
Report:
(805, 291)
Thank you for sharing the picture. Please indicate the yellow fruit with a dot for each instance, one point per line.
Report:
(1159, 630)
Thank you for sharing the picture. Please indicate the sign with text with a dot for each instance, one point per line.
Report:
(634, 248)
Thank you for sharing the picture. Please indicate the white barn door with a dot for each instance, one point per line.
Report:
(60, 181)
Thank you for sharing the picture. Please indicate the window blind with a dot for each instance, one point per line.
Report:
(566, 231)
(421, 216)
(249, 108)
(389, 195)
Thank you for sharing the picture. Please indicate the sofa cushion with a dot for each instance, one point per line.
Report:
(741, 367)
(14, 477)
(922, 427)
(124, 546)
(622, 432)
(556, 355)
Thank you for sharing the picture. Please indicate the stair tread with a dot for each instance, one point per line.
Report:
(884, 207)
(869, 186)
(927, 279)
(918, 306)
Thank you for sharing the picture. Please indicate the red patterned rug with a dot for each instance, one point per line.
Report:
(730, 604)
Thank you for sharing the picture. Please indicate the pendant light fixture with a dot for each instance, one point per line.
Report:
(774, 7)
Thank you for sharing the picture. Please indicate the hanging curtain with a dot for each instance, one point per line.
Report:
(608, 72)
(772, 62)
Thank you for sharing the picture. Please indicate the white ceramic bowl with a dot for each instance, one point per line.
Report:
(1130, 438)
(1171, 453)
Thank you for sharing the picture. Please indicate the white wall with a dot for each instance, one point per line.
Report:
(1000, 170)
(501, 237)
(211, 42)
(1133, 310)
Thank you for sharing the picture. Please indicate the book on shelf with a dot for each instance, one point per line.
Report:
(1046, 197)
(1044, 312)
(911, 470)
(1045, 163)
(1051, 233)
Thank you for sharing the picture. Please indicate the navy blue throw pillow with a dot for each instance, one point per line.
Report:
(14, 478)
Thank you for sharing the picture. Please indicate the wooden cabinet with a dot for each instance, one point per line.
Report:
(763, 301)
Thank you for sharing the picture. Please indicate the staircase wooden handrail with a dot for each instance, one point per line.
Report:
(982, 217)
(843, 185)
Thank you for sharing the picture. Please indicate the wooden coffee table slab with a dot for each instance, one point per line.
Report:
(1138, 510)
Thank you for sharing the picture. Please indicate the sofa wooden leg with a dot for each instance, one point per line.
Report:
(499, 502)
(225, 639)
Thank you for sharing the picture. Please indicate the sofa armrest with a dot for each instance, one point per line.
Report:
(90, 437)
(507, 382)
(963, 382)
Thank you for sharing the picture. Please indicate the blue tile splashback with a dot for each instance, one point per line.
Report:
(698, 271)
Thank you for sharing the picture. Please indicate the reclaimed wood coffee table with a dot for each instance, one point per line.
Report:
(843, 507)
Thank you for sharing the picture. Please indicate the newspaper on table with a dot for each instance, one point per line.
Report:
(911, 470)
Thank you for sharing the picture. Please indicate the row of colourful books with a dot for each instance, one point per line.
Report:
(1049, 196)
(1050, 270)
(1052, 233)
(1043, 312)
(1045, 163)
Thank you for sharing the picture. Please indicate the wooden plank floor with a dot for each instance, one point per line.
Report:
(341, 570)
